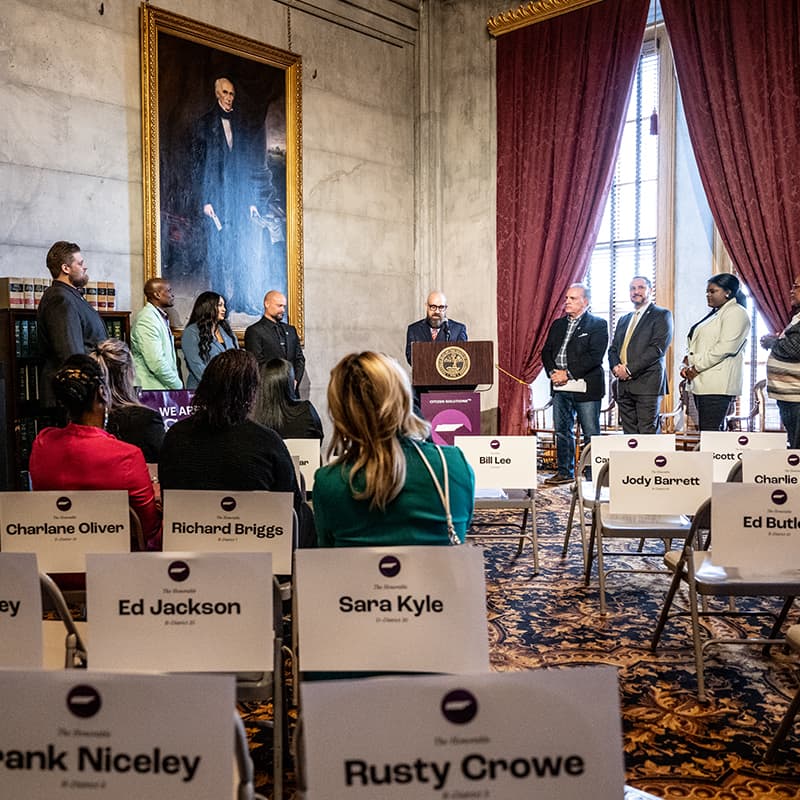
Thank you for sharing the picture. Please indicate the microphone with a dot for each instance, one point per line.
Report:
(446, 331)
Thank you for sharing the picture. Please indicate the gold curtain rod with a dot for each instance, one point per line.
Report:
(532, 12)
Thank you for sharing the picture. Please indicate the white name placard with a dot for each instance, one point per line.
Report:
(205, 521)
(656, 483)
(188, 612)
(307, 452)
(648, 442)
(20, 611)
(401, 609)
(500, 462)
(771, 467)
(62, 527)
(80, 735)
(727, 447)
(470, 737)
(756, 528)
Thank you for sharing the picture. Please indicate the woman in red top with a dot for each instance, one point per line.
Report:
(84, 456)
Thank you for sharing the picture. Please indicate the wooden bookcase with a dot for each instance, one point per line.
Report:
(22, 415)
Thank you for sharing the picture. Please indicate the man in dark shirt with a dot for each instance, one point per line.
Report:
(67, 324)
(270, 337)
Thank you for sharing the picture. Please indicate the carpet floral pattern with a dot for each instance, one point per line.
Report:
(674, 745)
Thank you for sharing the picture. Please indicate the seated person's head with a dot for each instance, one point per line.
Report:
(370, 403)
(79, 387)
(227, 389)
(275, 393)
(116, 363)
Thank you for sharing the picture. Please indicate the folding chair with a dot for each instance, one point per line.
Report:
(793, 641)
(515, 499)
(705, 580)
(607, 526)
(53, 599)
(582, 502)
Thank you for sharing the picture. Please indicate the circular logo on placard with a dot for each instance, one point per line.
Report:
(459, 706)
(179, 571)
(63, 504)
(227, 504)
(743, 440)
(389, 566)
(779, 497)
(494, 444)
(660, 461)
(84, 701)
(793, 460)
(633, 443)
(452, 363)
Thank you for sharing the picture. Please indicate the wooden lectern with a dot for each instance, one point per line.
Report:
(433, 369)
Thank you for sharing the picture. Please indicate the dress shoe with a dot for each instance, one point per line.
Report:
(557, 479)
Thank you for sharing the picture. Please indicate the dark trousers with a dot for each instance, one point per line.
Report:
(712, 410)
(790, 417)
(638, 413)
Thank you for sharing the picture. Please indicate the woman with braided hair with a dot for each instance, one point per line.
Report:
(387, 485)
(83, 456)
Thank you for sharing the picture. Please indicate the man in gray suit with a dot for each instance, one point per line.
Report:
(636, 358)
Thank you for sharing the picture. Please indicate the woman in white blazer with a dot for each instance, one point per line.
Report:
(715, 352)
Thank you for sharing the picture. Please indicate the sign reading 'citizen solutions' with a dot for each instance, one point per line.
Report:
(409, 609)
(180, 611)
(224, 522)
(120, 736)
(658, 483)
(62, 527)
(466, 738)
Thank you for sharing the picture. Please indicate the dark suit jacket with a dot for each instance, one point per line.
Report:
(67, 325)
(420, 331)
(263, 340)
(585, 352)
(646, 350)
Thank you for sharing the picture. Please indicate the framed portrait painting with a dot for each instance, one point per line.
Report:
(222, 167)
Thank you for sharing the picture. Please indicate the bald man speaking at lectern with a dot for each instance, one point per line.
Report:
(436, 327)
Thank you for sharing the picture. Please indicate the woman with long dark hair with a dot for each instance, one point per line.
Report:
(207, 334)
(277, 407)
(128, 419)
(219, 447)
(714, 361)
(386, 484)
(84, 456)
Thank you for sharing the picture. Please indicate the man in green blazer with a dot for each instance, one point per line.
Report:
(152, 344)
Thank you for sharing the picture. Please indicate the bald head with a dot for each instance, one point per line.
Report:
(274, 305)
(159, 292)
(436, 309)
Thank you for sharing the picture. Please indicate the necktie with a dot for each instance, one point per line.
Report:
(434, 334)
(623, 353)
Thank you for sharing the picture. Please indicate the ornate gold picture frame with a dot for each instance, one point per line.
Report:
(222, 166)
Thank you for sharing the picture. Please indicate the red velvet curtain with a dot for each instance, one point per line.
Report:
(562, 91)
(738, 65)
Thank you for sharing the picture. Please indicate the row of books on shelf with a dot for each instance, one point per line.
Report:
(26, 336)
(26, 430)
(26, 293)
(28, 382)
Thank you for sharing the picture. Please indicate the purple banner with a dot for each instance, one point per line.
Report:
(452, 414)
(173, 404)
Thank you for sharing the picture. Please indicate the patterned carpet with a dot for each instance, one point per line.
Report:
(675, 746)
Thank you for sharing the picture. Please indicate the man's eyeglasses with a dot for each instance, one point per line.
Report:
(437, 308)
